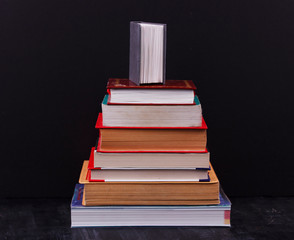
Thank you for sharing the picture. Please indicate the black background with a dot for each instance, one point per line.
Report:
(56, 58)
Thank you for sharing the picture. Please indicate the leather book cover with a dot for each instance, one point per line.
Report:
(169, 84)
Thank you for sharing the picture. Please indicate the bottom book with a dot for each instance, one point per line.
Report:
(200, 215)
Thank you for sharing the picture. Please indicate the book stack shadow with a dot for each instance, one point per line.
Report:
(150, 165)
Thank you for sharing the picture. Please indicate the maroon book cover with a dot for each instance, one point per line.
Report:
(169, 84)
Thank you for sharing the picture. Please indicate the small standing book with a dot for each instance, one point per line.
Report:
(147, 52)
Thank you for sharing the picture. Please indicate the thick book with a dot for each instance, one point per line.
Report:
(147, 52)
(201, 215)
(149, 193)
(131, 115)
(155, 160)
(124, 91)
(151, 139)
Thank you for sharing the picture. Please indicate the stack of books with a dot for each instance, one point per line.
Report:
(150, 162)
(150, 165)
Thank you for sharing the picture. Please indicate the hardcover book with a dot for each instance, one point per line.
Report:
(124, 91)
(130, 174)
(132, 115)
(151, 139)
(149, 193)
(205, 215)
(147, 52)
(148, 175)
(155, 160)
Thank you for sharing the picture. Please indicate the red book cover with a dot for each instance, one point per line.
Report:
(169, 84)
(91, 159)
(99, 124)
(91, 166)
(94, 180)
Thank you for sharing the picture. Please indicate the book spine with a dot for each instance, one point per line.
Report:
(164, 53)
(135, 52)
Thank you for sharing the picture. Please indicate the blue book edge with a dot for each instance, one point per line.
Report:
(77, 198)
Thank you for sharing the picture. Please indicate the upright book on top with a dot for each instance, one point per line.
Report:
(147, 52)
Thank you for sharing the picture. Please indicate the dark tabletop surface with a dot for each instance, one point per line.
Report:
(251, 218)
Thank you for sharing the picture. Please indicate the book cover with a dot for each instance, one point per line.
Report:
(77, 199)
(169, 84)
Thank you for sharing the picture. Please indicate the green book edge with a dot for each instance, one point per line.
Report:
(105, 100)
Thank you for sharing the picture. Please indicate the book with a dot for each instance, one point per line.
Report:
(124, 91)
(152, 115)
(201, 215)
(151, 139)
(155, 160)
(211, 215)
(149, 193)
(147, 52)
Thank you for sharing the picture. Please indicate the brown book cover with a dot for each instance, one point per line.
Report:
(169, 84)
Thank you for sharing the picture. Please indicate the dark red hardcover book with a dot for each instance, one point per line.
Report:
(169, 84)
